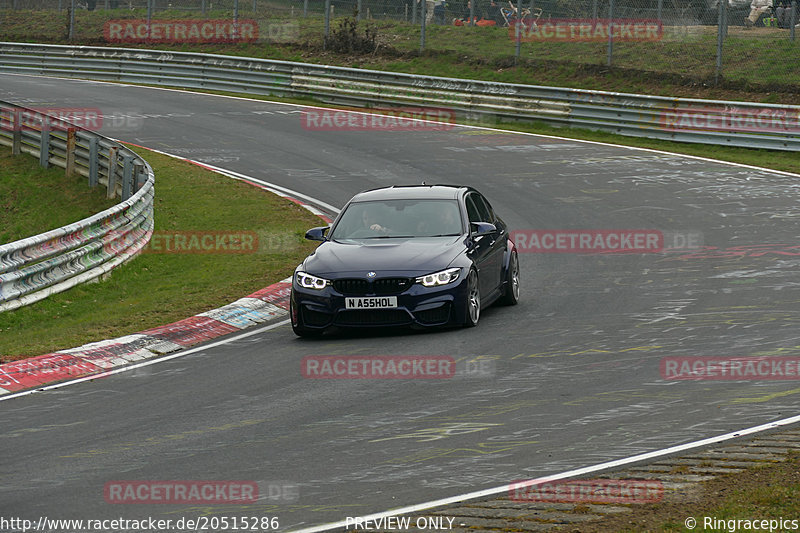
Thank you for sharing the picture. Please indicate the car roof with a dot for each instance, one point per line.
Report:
(411, 192)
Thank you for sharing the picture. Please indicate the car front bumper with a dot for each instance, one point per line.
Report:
(417, 306)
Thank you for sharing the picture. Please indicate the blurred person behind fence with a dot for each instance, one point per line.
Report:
(438, 12)
(467, 9)
(783, 13)
(493, 13)
(757, 8)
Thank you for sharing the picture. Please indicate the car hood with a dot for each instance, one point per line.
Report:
(397, 257)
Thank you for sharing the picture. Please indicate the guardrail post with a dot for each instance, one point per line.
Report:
(44, 144)
(112, 173)
(94, 151)
(139, 176)
(70, 166)
(15, 119)
(127, 176)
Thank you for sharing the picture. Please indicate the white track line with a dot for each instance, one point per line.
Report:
(277, 189)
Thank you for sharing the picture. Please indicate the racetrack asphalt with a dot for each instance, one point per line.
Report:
(574, 374)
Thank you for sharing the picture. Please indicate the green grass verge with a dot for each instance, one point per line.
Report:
(158, 288)
(25, 187)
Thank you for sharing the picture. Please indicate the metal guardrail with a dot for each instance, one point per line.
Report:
(33, 268)
(688, 120)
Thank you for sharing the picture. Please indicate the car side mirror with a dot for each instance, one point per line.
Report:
(317, 234)
(482, 228)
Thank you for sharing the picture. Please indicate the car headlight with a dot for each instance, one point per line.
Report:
(440, 278)
(307, 281)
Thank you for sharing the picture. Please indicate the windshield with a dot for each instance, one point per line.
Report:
(398, 219)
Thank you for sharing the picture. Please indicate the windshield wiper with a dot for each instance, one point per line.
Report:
(445, 235)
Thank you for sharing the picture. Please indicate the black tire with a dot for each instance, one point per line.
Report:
(511, 294)
(472, 307)
(299, 329)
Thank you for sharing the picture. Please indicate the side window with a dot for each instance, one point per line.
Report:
(472, 211)
(492, 218)
(484, 215)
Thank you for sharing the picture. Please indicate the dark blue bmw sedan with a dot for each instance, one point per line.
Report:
(420, 256)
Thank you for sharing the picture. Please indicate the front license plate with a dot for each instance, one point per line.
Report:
(371, 302)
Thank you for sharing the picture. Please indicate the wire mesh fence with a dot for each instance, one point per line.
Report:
(751, 41)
